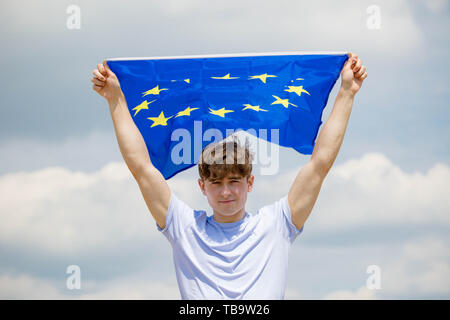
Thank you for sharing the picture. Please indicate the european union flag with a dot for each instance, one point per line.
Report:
(175, 98)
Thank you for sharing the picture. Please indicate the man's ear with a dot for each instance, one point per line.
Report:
(201, 183)
(250, 181)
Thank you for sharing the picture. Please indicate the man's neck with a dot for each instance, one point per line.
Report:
(229, 219)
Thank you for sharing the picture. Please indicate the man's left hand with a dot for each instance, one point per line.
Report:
(353, 74)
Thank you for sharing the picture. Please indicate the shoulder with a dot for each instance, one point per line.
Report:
(181, 214)
(279, 206)
(278, 215)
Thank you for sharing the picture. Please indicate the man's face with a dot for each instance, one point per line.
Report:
(227, 196)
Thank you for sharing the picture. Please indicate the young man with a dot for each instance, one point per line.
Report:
(231, 254)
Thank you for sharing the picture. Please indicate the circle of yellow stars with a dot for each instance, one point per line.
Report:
(161, 120)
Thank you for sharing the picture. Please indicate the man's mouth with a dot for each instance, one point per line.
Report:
(227, 201)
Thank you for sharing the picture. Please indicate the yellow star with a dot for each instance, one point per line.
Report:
(156, 90)
(284, 102)
(143, 105)
(262, 77)
(220, 112)
(298, 90)
(226, 77)
(185, 80)
(185, 112)
(256, 108)
(160, 120)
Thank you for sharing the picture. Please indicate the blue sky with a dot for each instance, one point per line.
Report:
(67, 197)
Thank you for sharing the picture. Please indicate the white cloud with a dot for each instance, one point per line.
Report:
(135, 286)
(418, 268)
(362, 293)
(83, 152)
(372, 189)
(62, 211)
(257, 25)
(292, 294)
(436, 6)
(58, 210)
(26, 287)
(320, 25)
(421, 267)
(68, 212)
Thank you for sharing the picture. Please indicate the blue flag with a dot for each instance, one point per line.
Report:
(182, 104)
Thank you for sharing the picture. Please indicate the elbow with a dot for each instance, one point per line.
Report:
(134, 168)
(136, 165)
(322, 166)
(138, 170)
(323, 159)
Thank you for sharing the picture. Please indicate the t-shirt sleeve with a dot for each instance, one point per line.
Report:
(179, 217)
(291, 230)
(281, 213)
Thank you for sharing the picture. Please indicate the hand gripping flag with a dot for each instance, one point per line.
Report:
(174, 101)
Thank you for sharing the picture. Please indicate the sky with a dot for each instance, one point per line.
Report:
(67, 197)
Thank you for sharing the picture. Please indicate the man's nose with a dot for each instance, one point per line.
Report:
(226, 190)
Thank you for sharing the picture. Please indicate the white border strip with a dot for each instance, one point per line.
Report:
(231, 55)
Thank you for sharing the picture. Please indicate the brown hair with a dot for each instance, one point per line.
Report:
(219, 159)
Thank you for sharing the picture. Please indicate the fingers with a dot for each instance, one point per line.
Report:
(98, 75)
(352, 58)
(107, 69)
(359, 71)
(102, 70)
(357, 64)
(348, 63)
(101, 74)
(105, 65)
(98, 82)
(96, 88)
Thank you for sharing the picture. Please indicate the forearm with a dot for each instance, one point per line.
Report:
(131, 144)
(332, 134)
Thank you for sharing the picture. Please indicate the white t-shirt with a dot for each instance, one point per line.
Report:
(247, 259)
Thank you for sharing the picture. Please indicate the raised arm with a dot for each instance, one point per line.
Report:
(152, 184)
(305, 189)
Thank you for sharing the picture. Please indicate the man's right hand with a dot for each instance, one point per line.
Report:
(105, 82)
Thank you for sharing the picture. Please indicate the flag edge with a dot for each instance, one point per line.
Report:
(232, 55)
